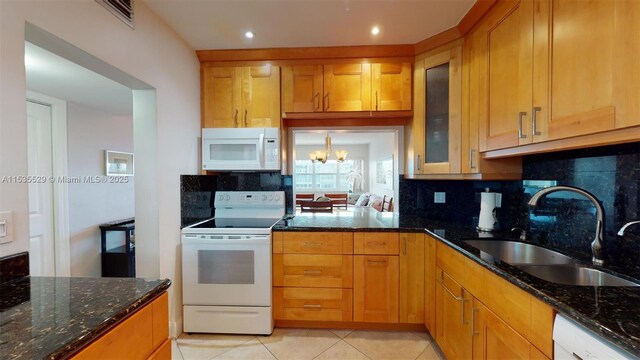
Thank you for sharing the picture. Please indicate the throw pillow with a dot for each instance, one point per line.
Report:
(363, 200)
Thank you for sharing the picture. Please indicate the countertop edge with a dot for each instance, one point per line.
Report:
(73, 347)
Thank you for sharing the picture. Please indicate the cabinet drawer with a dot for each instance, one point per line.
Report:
(318, 243)
(325, 271)
(451, 262)
(370, 243)
(313, 304)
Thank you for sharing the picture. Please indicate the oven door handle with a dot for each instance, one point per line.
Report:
(227, 239)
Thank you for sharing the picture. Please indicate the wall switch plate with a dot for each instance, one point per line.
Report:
(6, 227)
(439, 197)
(498, 200)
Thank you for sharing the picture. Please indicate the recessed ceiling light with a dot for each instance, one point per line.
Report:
(375, 30)
(249, 34)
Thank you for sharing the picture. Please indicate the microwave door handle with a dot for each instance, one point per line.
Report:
(261, 151)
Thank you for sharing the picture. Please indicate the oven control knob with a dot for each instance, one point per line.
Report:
(264, 197)
(227, 197)
(277, 197)
(270, 197)
(221, 197)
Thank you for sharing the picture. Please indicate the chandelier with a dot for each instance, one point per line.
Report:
(323, 155)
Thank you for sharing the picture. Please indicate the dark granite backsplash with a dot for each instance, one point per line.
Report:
(197, 191)
(14, 266)
(562, 220)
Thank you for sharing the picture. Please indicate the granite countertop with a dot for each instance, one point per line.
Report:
(611, 312)
(53, 317)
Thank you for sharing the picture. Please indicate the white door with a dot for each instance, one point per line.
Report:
(41, 241)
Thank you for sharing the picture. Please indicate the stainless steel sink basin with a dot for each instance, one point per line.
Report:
(575, 275)
(517, 253)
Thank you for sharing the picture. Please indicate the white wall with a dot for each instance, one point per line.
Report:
(385, 146)
(89, 133)
(152, 53)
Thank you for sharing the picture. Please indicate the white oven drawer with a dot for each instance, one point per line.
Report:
(231, 273)
(228, 319)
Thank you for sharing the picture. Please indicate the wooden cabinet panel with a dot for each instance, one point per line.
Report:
(430, 283)
(261, 96)
(277, 240)
(318, 243)
(313, 304)
(375, 243)
(494, 339)
(137, 337)
(542, 317)
(453, 307)
(451, 262)
(391, 86)
(347, 87)
(375, 289)
(163, 352)
(412, 278)
(221, 97)
(302, 88)
(313, 270)
(510, 42)
(626, 65)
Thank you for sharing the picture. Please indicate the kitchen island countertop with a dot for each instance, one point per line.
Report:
(611, 312)
(54, 317)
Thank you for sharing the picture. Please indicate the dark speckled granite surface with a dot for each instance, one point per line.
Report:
(52, 318)
(613, 313)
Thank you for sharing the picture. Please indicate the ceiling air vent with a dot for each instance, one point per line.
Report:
(123, 9)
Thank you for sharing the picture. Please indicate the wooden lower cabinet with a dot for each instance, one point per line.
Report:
(411, 278)
(313, 304)
(375, 288)
(452, 322)
(143, 335)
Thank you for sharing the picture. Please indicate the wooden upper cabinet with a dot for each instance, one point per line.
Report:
(585, 67)
(221, 96)
(302, 88)
(375, 288)
(241, 96)
(347, 87)
(391, 86)
(261, 96)
(509, 43)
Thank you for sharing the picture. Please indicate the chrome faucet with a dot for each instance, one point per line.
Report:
(596, 245)
(623, 228)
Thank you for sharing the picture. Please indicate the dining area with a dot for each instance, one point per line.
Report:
(330, 202)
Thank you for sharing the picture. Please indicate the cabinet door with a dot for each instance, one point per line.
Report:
(221, 97)
(412, 278)
(261, 96)
(494, 339)
(302, 88)
(585, 71)
(510, 43)
(442, 112)
(453, 304)
(375, 288)
(430, 283)
(347, 87)
(391, 86)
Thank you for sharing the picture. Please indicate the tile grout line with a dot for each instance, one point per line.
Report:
(232, 348)
(265, 346)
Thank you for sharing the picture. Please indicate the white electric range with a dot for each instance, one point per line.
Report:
(226, 264)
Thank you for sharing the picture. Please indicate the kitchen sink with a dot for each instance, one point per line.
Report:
(517, 253)
(575, 275)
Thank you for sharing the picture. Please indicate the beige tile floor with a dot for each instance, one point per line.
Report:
(302, 344)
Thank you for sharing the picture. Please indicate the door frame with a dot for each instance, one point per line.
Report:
(61, 239)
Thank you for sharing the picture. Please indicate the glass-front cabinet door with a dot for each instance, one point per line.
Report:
(441, 114)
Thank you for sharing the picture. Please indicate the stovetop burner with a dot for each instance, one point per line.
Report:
(237, 223)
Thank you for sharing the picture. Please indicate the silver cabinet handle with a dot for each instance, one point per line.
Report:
(404, 246)
(376, 243)
(317, 101)
(312, 306)
(533, 120)
(235, 118)
(471, 152)
(376, 101)
(245, 117)
(456, 298)
(327, 97)
(418, 162)
(377, 261)
(473, 320)
(312, 272)
(312, 244)
(520, 115)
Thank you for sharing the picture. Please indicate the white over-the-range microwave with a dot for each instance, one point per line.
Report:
(226, 149)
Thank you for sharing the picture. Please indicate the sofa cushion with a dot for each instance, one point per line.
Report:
(375, 202)
(363, 200)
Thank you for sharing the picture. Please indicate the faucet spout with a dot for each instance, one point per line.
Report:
(596, 245)
(624, 228)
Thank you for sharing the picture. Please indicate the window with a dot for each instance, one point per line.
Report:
(330, 176)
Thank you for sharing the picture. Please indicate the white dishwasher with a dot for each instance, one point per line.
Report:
(574, 342)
